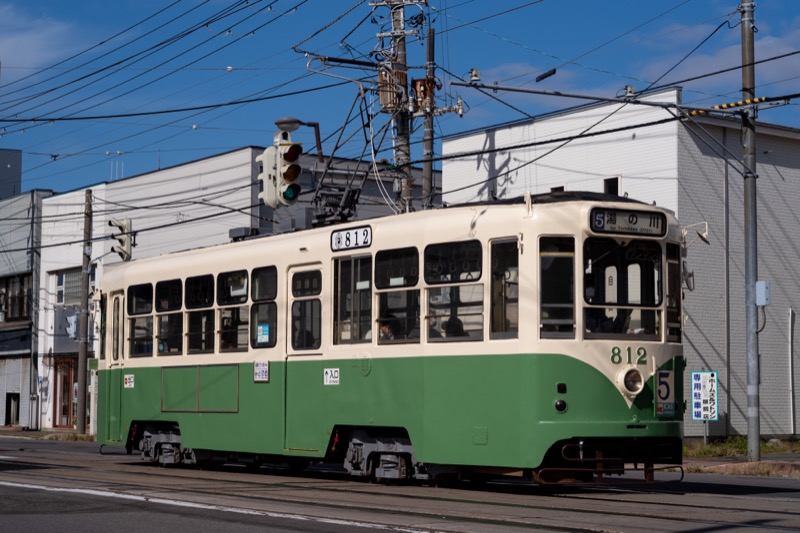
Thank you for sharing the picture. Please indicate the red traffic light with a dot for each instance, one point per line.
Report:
(292, 153)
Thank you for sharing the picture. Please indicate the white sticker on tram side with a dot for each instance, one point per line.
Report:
(330, 376)
(261, 371)
(128, 381)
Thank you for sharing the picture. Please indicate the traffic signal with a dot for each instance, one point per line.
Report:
(288, 171)
(124, 237)
(269, 186)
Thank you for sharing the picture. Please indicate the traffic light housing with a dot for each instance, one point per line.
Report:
(288, 171)
(269, 186)
(124, 237)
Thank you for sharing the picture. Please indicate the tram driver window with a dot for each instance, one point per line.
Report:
(622, 288)
(557, 287)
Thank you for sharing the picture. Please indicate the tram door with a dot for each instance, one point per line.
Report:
(115, 361)
(303, 371)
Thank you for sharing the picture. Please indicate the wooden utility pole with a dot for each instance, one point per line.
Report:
(83, 319)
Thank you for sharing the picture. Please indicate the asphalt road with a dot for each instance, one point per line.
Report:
(70, 486)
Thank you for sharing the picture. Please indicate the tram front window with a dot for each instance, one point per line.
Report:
(622, 287)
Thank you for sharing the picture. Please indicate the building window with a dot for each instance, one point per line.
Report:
(15, 298)
(68, 286)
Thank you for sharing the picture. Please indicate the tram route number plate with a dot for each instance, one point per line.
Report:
(665, 393)
(348, 239)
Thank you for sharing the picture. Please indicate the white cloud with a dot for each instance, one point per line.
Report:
(29, 41)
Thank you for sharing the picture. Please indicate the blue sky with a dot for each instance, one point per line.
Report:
(70, 72)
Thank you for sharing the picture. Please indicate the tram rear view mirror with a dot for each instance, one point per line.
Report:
(688, 277)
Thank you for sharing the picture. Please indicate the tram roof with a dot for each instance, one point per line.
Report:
(554, 197)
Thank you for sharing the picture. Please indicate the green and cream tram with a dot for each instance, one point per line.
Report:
(538, 338)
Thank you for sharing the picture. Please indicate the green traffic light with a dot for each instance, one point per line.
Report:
(291, 192)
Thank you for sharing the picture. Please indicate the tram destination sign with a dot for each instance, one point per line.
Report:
(605, 220)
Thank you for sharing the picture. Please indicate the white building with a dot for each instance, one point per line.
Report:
(692, 167)
(19, 282)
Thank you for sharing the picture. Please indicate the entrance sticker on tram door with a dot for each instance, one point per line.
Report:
(665, 394)
(127, 381)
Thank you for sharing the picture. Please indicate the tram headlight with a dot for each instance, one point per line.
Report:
(633, 381)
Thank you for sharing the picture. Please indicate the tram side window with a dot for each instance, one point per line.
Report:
(396, 278)
(455, 304)
(505, 289)
(200, 318)
(557, 287)
(116, 331)
(169, 303)
(264, 312)
(233, 320)
(307, 310)
(674, 293)
(352, 297)
(140, 309)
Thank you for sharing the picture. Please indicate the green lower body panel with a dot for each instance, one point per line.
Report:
(493, 410)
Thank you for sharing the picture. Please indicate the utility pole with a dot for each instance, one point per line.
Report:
(403, 117)
(83, 322)
(393, 90)
(750, 232)
(427, 135)
(393, 93)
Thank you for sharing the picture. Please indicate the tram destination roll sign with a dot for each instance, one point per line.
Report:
(704, 396)
(605, 220)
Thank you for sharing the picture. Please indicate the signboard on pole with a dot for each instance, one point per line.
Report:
(705, 396)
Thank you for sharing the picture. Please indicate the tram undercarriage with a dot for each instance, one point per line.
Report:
(386, 454)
